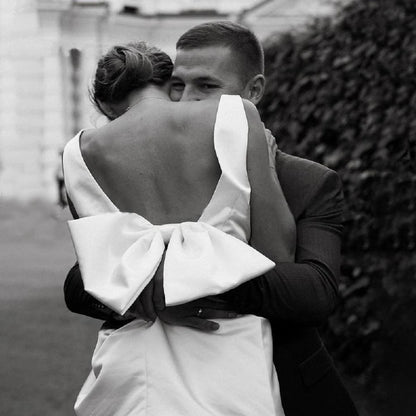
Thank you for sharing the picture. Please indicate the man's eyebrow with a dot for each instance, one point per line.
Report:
(197, 79)
(175, 78)
(207, 78)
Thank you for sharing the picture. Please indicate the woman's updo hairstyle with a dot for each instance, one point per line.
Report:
(125, 68)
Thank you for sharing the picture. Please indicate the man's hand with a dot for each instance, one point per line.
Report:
(197, 314)
(143, 307)
(151, 297)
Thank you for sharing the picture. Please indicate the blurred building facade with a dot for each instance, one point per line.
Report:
(48, 52)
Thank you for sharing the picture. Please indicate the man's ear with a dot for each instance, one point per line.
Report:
(255, 88)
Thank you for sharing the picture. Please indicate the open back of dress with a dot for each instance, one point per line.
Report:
(157, 369)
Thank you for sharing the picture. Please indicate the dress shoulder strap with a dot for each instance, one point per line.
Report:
(82, 188)
(229, 207)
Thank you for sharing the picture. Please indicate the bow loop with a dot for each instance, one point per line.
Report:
(118, 254)
(202, 261)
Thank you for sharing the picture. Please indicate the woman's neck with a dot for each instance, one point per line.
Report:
(148, 93)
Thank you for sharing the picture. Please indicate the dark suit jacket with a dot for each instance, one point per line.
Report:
(295, 297)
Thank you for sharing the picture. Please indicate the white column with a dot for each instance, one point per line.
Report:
(53, 117)
(21, 102)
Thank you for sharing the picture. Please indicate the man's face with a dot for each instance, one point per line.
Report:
(204, 73)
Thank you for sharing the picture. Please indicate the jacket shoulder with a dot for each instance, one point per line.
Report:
(294, 165)
(302, 180)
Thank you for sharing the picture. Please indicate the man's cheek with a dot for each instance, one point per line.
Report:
(215, 93)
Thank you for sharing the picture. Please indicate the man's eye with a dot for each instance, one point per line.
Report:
(208, 86)
(177, 86)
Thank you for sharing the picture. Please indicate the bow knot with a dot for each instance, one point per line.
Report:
(166, 231)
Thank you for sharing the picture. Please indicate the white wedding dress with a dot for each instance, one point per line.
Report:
(162, 370)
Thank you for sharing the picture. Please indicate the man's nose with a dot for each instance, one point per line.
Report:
(190, 94)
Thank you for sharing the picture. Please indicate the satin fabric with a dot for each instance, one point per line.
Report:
(164, 370)
(159, 369)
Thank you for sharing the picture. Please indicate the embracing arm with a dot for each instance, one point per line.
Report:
(304, 292)
(79, 301)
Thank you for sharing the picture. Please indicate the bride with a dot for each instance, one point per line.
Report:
(166, 197)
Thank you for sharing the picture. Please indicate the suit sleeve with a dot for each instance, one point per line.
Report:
(304, 292)
(79, 301)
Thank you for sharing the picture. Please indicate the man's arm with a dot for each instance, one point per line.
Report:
(79, 301)
(304, 292)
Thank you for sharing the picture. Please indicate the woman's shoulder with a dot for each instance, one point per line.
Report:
(202, 115)
(187, 115)
(94, 146)
(86, 140)
(188, 125)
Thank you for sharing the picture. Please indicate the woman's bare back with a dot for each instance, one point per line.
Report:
(154, 162)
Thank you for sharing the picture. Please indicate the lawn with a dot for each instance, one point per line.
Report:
(45, 349)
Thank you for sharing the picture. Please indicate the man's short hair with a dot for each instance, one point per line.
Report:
(238, 38)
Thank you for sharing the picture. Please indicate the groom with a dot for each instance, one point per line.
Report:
(226, 58)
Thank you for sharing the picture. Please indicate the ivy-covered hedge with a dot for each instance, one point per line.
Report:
(343, 93)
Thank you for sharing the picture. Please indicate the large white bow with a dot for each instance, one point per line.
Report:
(119, 253)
